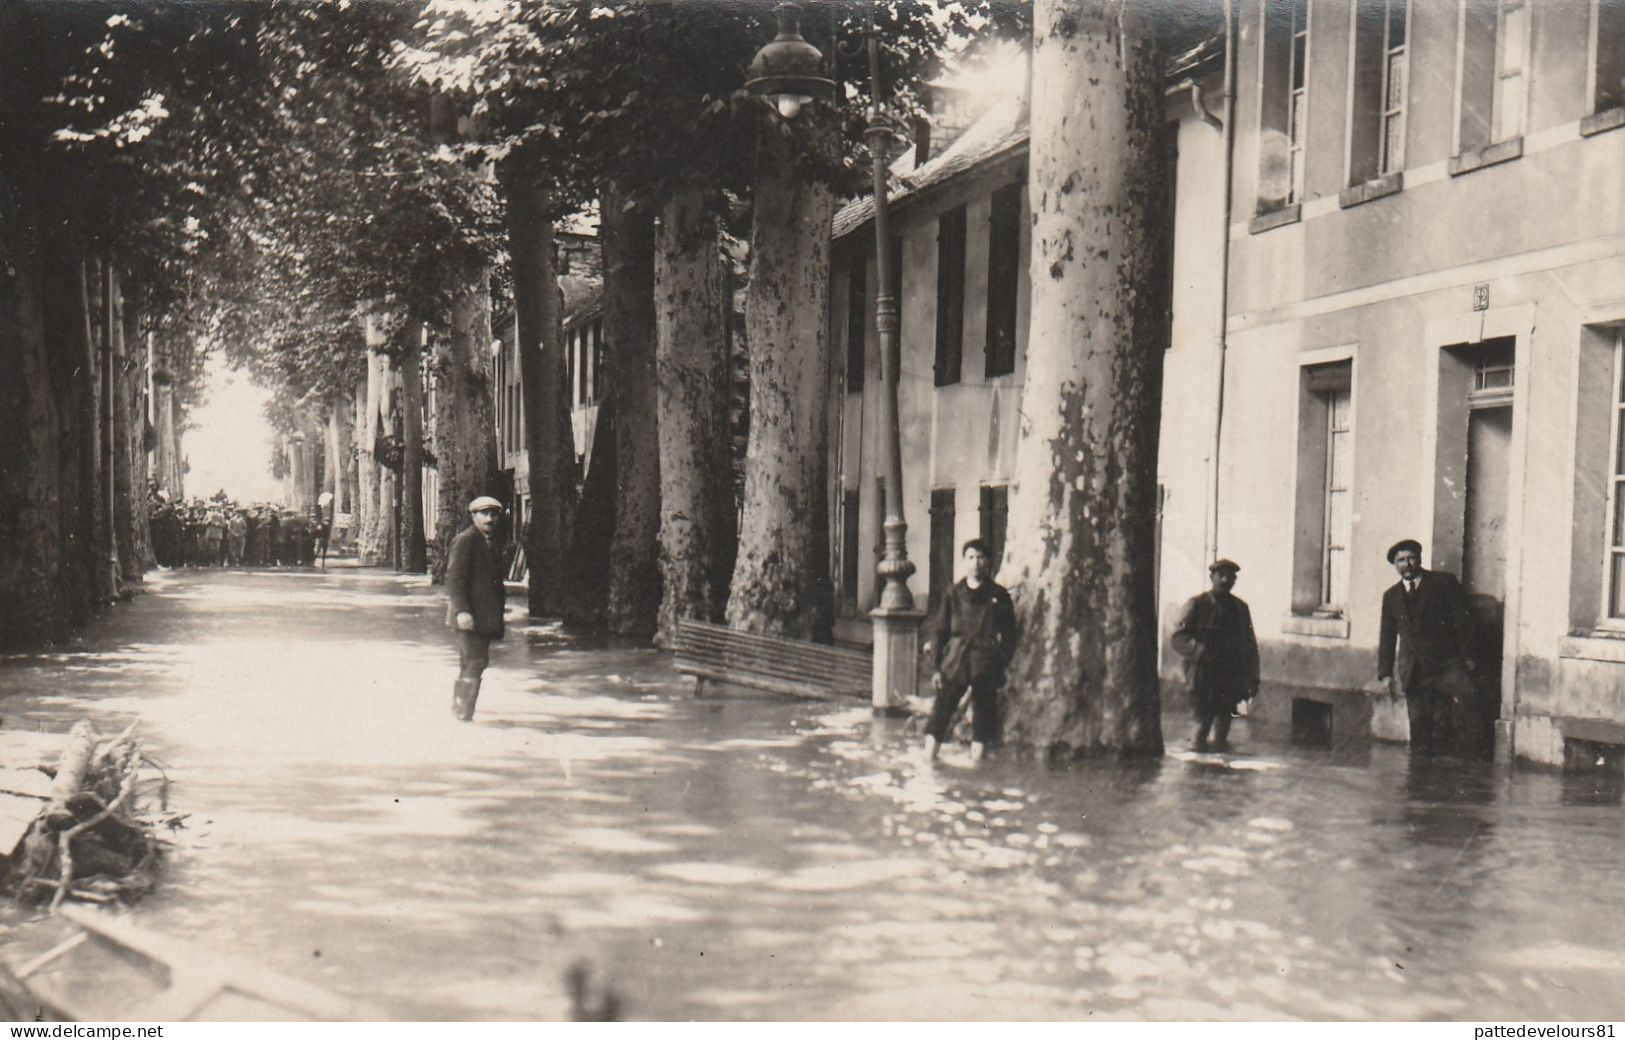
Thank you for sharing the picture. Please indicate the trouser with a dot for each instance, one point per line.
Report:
(473, 654)
(984, 699)
(1443, 712)
(1212, 704)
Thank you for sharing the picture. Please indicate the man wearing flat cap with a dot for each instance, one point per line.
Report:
(1425, 614)
(1215, 637)
(474, 600)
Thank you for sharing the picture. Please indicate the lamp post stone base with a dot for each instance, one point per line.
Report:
(897, 658)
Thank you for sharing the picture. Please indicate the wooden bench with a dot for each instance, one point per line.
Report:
(716, 653)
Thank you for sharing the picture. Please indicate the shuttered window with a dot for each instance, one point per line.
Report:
(950, 295)
(941, 576)
(1003, 279)
(994, 511)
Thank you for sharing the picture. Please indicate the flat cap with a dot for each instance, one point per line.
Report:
(1224, 565)
(485, 503)
(1400, 546)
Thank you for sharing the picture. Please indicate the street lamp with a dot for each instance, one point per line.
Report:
(789, 69)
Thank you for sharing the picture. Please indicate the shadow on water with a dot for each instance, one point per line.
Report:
(770, 859)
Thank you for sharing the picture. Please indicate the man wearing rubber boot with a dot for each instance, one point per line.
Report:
(474, 600)
(1215, 637)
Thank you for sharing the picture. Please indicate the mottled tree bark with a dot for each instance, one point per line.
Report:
(549, 447)
(135, 538)
(693, 304)
(343, 454)
(414, 552)
(366, 406)
(65, 305)
(166, 451)
(1084, 678)
(369, 538)
(465, 442)
(92, 488)
(777, 577)
(629, 334)
(387, 518)
(32, 520)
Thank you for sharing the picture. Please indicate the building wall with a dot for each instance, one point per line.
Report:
(1389, 284)
(1409, 281)
(1187, 439)
(961, 436)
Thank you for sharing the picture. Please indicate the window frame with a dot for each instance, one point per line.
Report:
(1287, 208)
(1368, 114)
(1386, 163)
(1328, 606)
(1319, 371)
(1495, 141)
(1297, 101)
(1607, 619)
(1597, 116)
(1527, 8)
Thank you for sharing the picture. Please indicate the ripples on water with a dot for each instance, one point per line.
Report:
(763, 859)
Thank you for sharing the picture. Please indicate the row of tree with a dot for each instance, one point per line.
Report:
(334, 192)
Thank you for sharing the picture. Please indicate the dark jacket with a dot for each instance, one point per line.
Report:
(1215, 637)
(985, 618)
(1431, 626)
(474, 583)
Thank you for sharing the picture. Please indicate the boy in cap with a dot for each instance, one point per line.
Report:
(474, 600)
(1425, 614)
(1215, 637)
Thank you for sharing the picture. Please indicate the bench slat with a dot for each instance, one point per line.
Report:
(772, 663)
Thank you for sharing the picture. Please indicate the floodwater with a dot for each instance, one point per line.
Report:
(764, 859)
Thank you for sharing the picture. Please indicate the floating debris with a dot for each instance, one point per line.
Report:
(85, 828)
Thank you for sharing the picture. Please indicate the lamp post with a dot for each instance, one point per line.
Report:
(788, 69)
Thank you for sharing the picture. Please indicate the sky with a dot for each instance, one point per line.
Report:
(229, 444)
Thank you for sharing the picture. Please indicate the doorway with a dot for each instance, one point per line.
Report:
(1476, 388)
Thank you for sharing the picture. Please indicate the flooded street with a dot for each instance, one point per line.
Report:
(766, 859)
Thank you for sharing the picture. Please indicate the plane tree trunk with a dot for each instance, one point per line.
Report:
(1084, 677)
(777, 585)
(628, 236)
(693, 308)
(549, 447)
(414, 551)
(465, 445)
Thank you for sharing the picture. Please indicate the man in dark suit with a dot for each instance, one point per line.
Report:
(1215, 637)
(1425, 612)
(474, 600)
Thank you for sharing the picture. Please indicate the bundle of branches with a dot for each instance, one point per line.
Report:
(90, 841)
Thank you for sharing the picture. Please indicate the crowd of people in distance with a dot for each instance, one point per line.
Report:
(218, 532)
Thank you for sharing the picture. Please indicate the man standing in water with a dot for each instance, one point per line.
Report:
(474, 601)
(1215, 637)
(973, 637)
(1426, 647)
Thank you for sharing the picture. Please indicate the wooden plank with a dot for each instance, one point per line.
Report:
(772, 663)
(30, 782)
(16, 813)
(759, 682)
